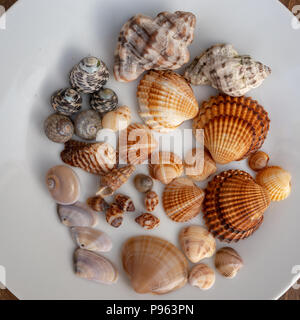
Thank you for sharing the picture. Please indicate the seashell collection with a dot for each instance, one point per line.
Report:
(234, 127)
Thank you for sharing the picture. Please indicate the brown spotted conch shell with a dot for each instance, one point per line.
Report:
(234, 205)
(233, 127)
(154, 265)
(161, 43)
(182, 199)
(223, 68)
(97, 158)
(166, 100)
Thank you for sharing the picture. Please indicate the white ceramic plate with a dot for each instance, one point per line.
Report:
(42, 41)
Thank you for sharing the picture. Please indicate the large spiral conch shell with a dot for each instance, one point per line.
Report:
(161, 43)
(136, 143)
(97, 158)
(63, 184)
(233, 127)
(276, 180)
(165, 166)
(154, 265)
(166, 100)
(224, 69)
(182, 199)
(234, 205)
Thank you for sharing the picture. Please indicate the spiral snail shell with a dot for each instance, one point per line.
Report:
(104, 100)
(87, 124)
(58, 128)
(66, 101)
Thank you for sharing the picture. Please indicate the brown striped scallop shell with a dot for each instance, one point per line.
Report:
(233, 127)
(182, 199)
(97, 158)
(234, 205)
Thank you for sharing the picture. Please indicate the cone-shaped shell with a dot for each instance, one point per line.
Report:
(114, 179)
(92, 266)
(161, 43)
(154, 265)
(166, 100)
(165, 166)
(136, 143)
(97, 158)
(197, 243)
(182, 199)
(234, 205)
(276, 180)
(233, 127)
(224, 69)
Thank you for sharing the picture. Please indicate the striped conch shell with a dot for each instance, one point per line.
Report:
(136, 143)
(234, 205)
(161, 43)
(154, 265)
(182, 200)
(97, 158)
(165, 166)
(166, 100)
(276, 181)
(233, 127)
(223, 68)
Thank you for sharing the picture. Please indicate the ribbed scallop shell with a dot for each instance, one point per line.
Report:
(165, 166)
(97, 158)
(154, 265)
(224, 69)
(161, 43)
(136, 143)
(117, 120)
(234, 205)
(166, 100)
(197, 243)
(92, 266)
(276, 180)
(182, 199)
(233, 127)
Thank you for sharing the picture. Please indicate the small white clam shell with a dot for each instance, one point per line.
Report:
(78, 214)
(91, 266)
(91, 239)
(202, 276)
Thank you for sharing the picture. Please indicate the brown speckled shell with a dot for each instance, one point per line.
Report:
(124, 202)
(66, 101)
(87, 124)
(114, 215)
(97, 203)
(148, 221)
(151, 201)
(58, 128)
(258, 160)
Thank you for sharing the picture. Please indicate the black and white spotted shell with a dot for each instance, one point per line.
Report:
(66, 101)
(104, 100)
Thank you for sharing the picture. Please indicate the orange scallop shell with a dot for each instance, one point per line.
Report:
(234, 205)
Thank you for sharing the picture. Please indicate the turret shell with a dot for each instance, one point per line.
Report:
(58, 128)
(66, 101)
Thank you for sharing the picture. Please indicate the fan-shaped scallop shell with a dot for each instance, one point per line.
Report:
(136, 143)
(165, 166)
(97, 158)
(91, 266)
(63, 184)
(87, 124)
(154, 265)
(66, 101)
(58, 128)
(117, 120)
(233, 127)
(202, 276)
(182, 199)
(224, 69)
(234, 205)
(89, 75)
(276, 181)
(161, 43)
(114, 179)
(197, 243)
(199, 165)
(166, 100)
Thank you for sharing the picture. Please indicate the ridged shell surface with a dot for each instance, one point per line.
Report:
(104, 100)
(224, 69)
(234, 205)
(166, 100)
(154, 265)
(233, 127)
(161, 43)
(97, 158)
(66, 101)
(276, 181)
(182, 199)
(136, 143)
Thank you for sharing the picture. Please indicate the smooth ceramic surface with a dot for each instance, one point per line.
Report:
(39, 47)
